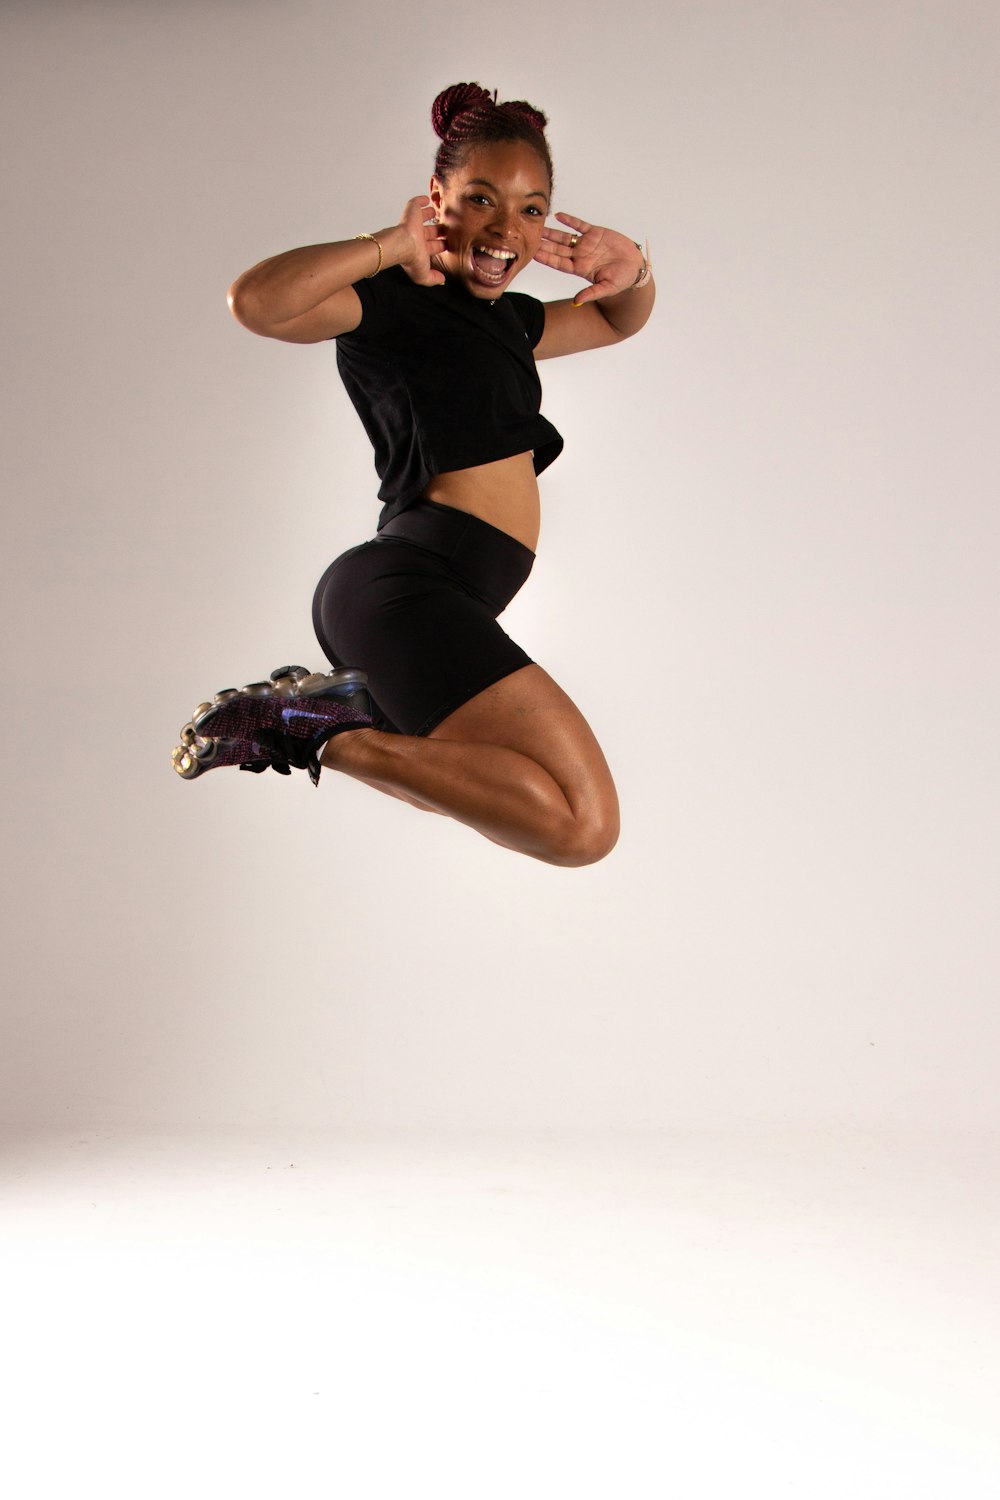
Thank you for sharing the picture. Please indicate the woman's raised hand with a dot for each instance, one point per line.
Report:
(420, 223)
(610, 261)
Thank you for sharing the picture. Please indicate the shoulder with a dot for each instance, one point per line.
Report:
(395, 310)
(383, 298)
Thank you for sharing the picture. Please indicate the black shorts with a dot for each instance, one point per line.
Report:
(416, 609)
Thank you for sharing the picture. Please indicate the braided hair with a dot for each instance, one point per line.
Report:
(466, 116)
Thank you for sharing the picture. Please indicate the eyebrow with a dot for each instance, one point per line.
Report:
(483, 182)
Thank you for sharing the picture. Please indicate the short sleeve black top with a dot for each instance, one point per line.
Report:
(443, 380)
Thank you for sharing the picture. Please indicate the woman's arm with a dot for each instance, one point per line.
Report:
(612, 307)
(304, 296)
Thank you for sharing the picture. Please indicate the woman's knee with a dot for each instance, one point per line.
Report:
(529, 714)
(587, 838)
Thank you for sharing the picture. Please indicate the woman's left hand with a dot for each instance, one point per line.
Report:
(610, 261)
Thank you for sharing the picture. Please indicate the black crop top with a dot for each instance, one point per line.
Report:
(443, 380)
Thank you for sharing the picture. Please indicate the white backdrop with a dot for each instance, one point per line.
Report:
(767, 574)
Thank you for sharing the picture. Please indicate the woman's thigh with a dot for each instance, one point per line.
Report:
(529, 712)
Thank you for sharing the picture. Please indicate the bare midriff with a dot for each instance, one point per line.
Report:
(504, 493)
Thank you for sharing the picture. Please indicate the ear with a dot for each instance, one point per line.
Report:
(435, 194)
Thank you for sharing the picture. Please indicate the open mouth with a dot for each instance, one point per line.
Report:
(492, 267)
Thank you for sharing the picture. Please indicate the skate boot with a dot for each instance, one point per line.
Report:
(283, 723)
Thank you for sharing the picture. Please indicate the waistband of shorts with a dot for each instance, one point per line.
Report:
(458, 536)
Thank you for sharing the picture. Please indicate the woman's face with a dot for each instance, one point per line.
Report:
(492, 211)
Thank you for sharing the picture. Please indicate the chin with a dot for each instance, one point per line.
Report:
(485, 293)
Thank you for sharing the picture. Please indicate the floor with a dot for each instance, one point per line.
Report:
(278, 1312)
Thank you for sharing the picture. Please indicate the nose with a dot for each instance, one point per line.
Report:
(505, 222)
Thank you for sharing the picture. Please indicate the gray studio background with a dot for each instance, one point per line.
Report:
(767, 574)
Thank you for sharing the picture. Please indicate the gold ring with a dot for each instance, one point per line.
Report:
(574, 242)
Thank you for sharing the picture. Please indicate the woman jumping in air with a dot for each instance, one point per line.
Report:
(438, 356)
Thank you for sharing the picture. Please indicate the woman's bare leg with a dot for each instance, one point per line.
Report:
(518, 763)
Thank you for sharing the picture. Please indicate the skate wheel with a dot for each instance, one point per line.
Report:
(185, 764)
(225, 694)
(200, 712)
(188, 735)
(315, 682)
(294, 672)
(258, 689)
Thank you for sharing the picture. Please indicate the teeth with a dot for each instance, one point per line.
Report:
(496, 254)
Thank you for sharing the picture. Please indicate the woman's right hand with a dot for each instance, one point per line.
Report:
(425, 232)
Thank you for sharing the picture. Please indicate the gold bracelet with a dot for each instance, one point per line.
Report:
(378, 247)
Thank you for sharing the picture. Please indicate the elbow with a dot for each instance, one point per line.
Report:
(624, 322)
(240, 303)
(616, 334)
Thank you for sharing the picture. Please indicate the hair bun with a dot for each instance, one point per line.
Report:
(528, 112)
(467, 116)
(456, 101)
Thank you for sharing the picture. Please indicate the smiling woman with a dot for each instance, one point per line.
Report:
(493, 228)
(430, 700)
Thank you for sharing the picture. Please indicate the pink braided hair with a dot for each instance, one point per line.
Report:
(466, 115)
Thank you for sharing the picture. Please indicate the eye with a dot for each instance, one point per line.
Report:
(478, 198)
(536, 213)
